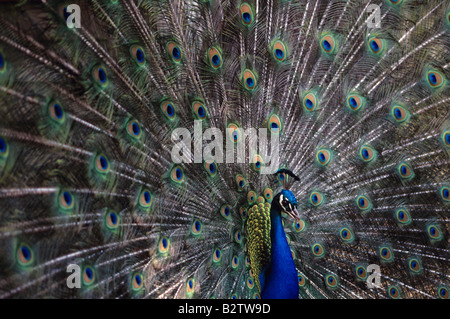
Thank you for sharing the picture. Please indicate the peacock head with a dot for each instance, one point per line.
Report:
(287, 203)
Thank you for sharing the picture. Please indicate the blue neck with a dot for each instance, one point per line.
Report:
(279, 279)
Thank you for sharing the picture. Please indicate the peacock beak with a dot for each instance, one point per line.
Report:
(294, 213)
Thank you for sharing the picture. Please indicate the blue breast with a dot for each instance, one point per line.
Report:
(279, 279)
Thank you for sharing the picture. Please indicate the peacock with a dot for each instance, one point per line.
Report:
(237, 149)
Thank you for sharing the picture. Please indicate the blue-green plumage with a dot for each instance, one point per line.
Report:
(279, 278)
(139, 146)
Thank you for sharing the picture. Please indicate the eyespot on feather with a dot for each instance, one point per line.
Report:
(238, 237)
(211, 168)
(63, 12)
(247, 261)
(102, 164)
(168, 109)
(328, 44)
(396, 2)
(393, 292)
(112, 220)
(2, 63)
(217, 255)
(331, 281)
(215, 58)
(190, 286)
(376, 45)
(88, 275)
(386, 254)
(355, 102)
(434, 232)
(279, 51)
(367, 153)
(225, 211)
(316, 198)
(4, 148)
(274, 124)
(99, 76)
(446, 138)
(66, 201)
(310, 102)
(363, 203)
(199, 109)
(346, 235)
(405, 171)
(435, 79)
(163, 245)
(361, 272)
(414, 265)
(196, 227)
(234, 262)
(134, 129)
(444, 192)
(249, 79)
(318, 250)
(282, 178)
(234, 132)
(323, 157)
(138, 55)
(25, 255)
(250, 283)
(301, 280)
(145, 198)
(257, 163)
(56, 112)
(251, 197)
(137, 281)
(443, 292)
(243, 212)
(174, 51)
(268, 194)
(177, 174)
(402, 216)
(299, 226)
(247, 16)
(399, 113)
(240, 182)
